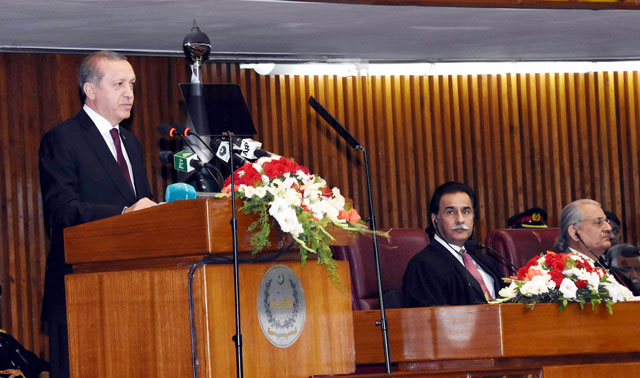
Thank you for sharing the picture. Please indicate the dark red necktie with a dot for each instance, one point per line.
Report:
(471, 267)
(121, 162)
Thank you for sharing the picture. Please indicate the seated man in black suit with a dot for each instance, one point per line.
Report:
(445, 273)
(90, 168)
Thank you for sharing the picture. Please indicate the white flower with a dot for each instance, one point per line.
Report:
(303, 176)
(289, 182)
(618, 292)
(573, 272)
(593, 279)
(260, 192)
(337, 199)
(537, 285)
(509, 291)
(247, 191)
(286, 217)
(568, 289)
(276, 188)
(292, 197)
(324, 208)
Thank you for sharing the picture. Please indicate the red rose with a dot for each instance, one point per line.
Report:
(274, 169)
(556, 277)
(522, 272)
(250, 176)
(581, 284)
(558, 265)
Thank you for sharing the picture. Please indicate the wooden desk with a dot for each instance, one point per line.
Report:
(503, 336)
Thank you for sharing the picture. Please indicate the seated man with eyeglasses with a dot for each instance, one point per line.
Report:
(449, 271)
(586, 231)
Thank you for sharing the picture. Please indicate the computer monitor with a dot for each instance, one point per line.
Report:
(217, 108)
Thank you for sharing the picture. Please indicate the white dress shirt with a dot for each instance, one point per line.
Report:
(104, 128)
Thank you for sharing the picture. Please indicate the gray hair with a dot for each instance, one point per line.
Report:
(571, 215)
(89, 72)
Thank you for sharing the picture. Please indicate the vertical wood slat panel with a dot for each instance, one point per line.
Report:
(519, 140)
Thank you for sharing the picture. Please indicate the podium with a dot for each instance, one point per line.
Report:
(128, 300)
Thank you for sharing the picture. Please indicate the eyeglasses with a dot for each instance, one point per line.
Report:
(598, 222)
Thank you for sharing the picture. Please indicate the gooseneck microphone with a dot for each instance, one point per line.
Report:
(182, 130)
(167, 130)
(499, 258)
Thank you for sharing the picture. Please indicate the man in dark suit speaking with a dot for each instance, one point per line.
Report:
(445, 273)
(90, 168)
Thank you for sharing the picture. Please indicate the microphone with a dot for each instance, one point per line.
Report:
(250, 149)
(182, 130)
(223, 153)
(184, 161)
(171, 131)
(473, 244)
(179, 191)
(167, 130)
(168, 157)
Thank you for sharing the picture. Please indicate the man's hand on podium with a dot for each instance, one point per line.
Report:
(141, 204)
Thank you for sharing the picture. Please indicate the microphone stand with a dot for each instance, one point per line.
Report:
(351, 140)
(237, 338)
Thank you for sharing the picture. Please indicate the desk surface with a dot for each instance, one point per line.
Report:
(497, 331)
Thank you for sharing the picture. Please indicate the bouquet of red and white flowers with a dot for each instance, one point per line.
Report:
(563, 278)
(301, 203)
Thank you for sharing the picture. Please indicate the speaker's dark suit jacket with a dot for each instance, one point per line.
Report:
(80, 182)
(435, 278)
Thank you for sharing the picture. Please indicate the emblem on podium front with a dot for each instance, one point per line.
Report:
(281, 306)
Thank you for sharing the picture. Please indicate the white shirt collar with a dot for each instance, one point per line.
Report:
(101, 123)
(452, 248)
(590, 259)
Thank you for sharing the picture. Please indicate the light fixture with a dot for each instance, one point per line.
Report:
(444, 68)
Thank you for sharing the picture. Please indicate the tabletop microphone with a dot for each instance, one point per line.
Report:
(473, 244)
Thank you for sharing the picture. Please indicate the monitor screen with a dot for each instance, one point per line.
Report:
(216, 109)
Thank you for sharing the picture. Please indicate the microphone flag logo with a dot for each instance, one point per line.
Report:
(181, 161)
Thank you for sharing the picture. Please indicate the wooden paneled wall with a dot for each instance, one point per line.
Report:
(519, 140)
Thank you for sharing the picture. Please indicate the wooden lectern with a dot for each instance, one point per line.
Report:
(128, 302)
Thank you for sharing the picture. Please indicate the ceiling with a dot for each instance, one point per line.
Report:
(267, 30)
